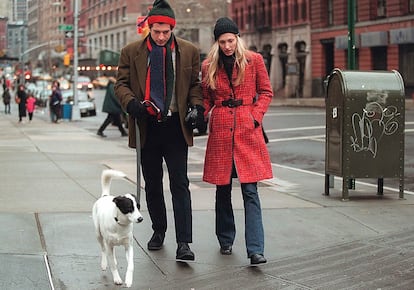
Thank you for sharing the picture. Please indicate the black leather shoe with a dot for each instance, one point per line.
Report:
(257, 259)
(100, 133)
(225, 250)
(184, 253)
(156, 241)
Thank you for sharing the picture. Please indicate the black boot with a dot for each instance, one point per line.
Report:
(100, 133)
(184, 253)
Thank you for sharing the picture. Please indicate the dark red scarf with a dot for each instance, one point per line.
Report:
(160, 78)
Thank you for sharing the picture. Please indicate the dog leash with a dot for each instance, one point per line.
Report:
(138, 150)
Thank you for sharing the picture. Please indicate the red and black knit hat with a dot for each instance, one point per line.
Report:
(161, 12)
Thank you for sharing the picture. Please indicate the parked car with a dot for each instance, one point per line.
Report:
(86, 104)
(84, 83)
(42, 97)
(100, 82)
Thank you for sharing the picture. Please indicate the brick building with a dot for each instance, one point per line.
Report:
(281, 31)
(303, 41)
(384, 38)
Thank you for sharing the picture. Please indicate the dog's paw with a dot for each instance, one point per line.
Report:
(128, 280)
(104, 264)
(118, 281)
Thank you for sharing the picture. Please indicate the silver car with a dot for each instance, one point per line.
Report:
(86, 104)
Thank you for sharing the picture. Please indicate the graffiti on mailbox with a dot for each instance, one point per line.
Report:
(374, 122)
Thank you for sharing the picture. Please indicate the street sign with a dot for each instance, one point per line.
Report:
(81, 33)
(69, 34)
(65, 27)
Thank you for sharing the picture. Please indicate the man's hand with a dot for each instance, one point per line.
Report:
(136, 109)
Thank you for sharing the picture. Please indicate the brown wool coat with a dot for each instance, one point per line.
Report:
(132, 71)
(232, 133)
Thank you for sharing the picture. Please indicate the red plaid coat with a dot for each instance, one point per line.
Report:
(232, 132)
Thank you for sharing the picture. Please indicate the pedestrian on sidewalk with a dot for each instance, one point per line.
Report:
(21, 101)
(30, 105)
(111, 106)
(237, 91)
(55, 100)
(158, 78)
(6, 100)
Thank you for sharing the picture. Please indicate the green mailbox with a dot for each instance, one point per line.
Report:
(365, 112)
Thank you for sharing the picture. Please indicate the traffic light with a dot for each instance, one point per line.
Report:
(66, 59)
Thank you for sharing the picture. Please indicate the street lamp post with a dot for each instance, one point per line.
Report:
(75, 110)
(75, 52)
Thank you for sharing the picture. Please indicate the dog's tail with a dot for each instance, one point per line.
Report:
(106, 179)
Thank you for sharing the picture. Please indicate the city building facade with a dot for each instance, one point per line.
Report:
(281, 31)
(303, 41)
(384, 38)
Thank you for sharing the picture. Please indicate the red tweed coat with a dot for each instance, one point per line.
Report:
(232, 133)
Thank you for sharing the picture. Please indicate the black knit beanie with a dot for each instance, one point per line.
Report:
(225, 25)
(161, 12)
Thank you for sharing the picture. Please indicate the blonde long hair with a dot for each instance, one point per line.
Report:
(213, 59)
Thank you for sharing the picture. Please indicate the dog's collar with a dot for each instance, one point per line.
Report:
(117, 221)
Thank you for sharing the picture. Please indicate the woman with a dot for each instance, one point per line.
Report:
(237, 91)
(21, 101)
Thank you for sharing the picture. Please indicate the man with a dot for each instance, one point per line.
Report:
(157, 81)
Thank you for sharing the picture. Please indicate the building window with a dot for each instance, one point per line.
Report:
(304, 12)
(242, 18)
(411, 6)
(269, 11)
(262, 19)
(330, 12)
(381, 8)
(123, 12)
(249, 17)
(278, 12)
(286, 12)
(295, 10)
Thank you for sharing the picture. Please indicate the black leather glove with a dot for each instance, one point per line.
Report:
(200, 123)
(195, 117)
(136, 109)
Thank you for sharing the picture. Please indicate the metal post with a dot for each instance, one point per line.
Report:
(351, 53)
(351, 34)
(75, 110)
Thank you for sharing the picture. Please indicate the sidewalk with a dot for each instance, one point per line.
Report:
(50, 179)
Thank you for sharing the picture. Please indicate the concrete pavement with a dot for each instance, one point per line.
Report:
(50, 178)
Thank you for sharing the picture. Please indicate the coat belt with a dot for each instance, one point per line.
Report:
(231, 103)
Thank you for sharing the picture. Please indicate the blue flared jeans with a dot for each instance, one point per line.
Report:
(225, 226)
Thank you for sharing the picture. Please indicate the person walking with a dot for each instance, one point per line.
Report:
(237, 91)
(21, 101)
(55, 100)
(6, 100)
(111, 106)
(158, 78)
(30, 106)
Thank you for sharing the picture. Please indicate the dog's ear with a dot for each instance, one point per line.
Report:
(115, 199)
(136, 199)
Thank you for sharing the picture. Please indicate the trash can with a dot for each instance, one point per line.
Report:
(67, 111)
(365, 115)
